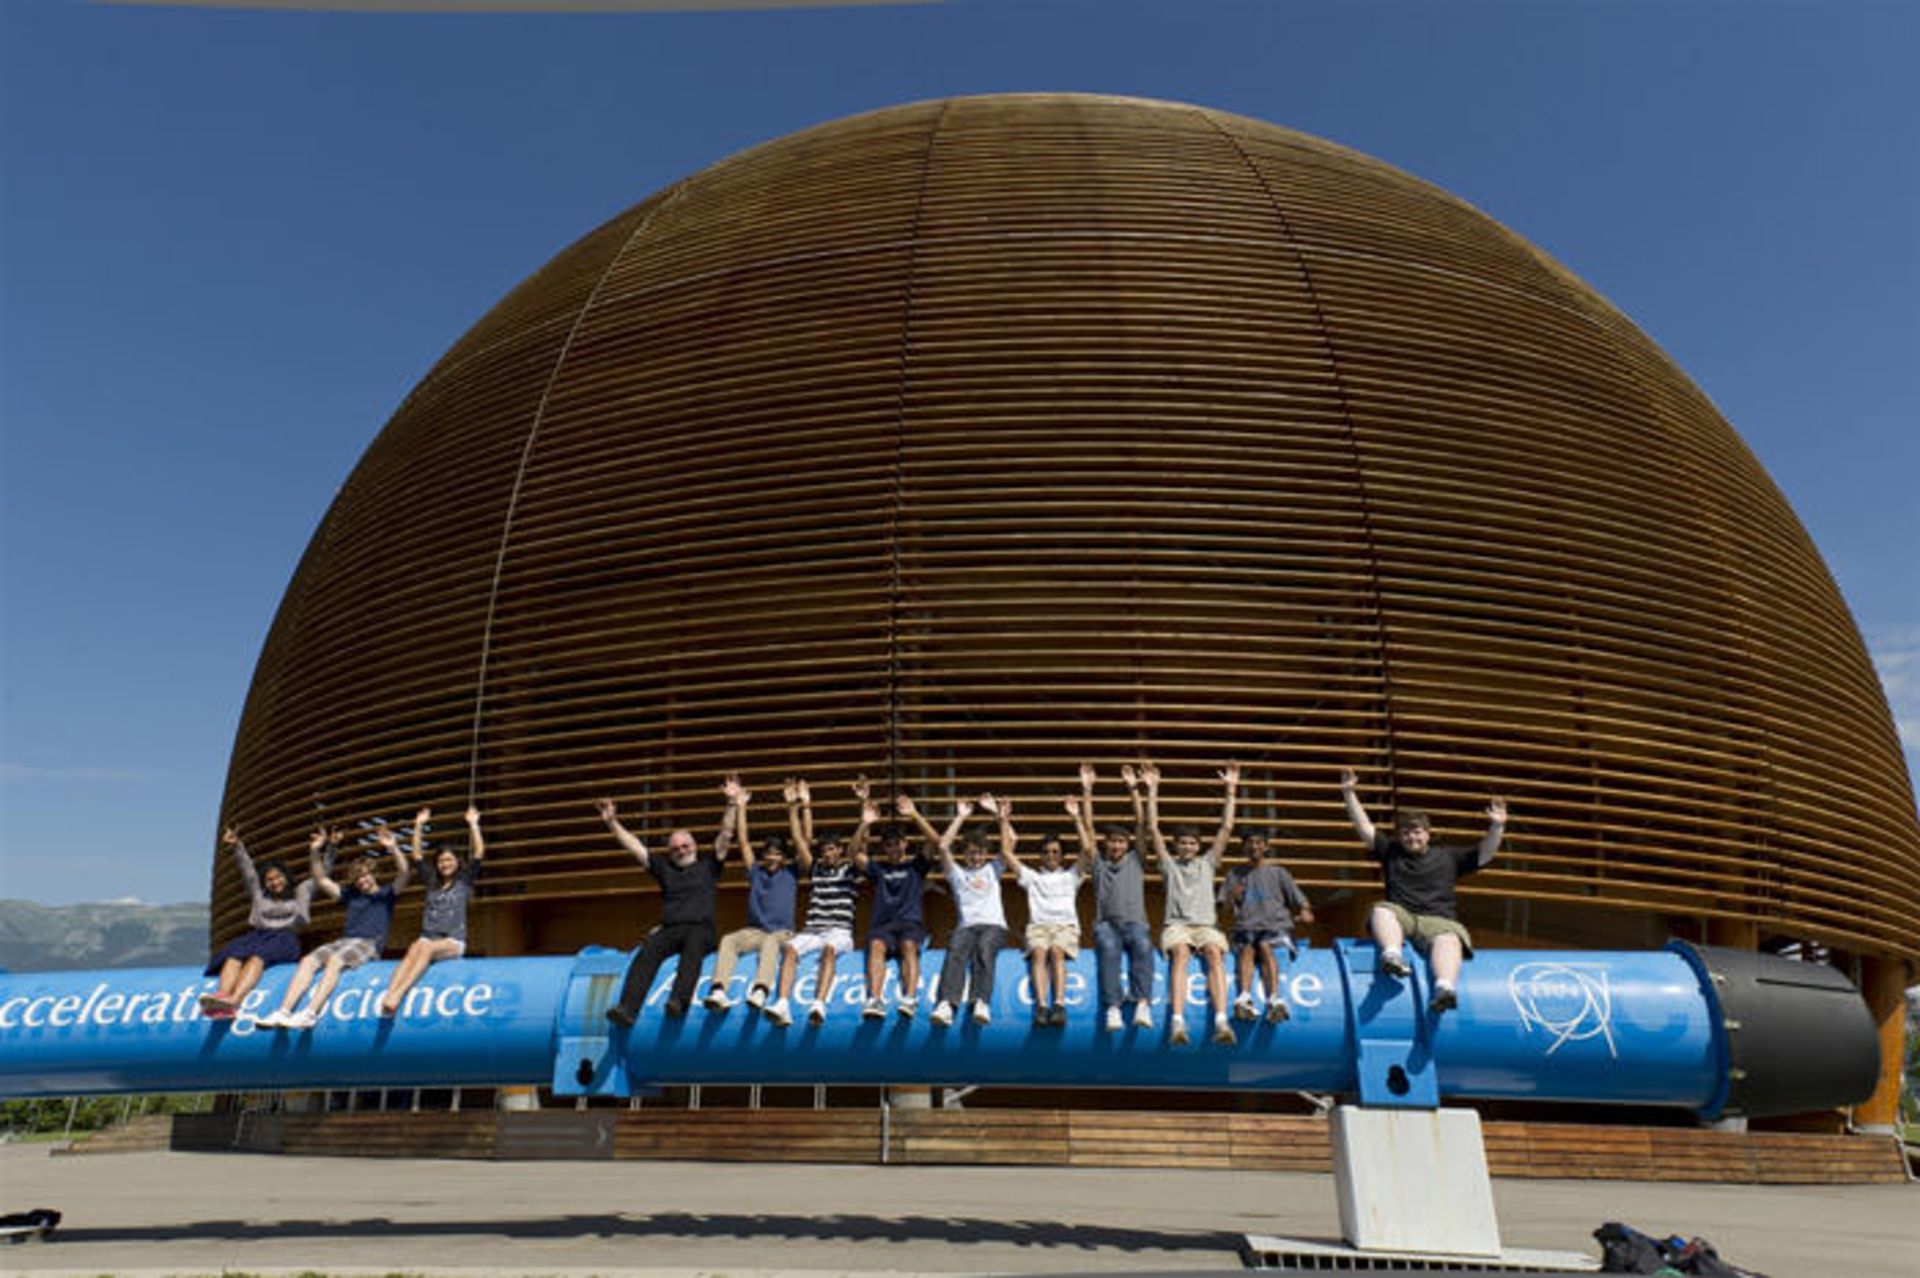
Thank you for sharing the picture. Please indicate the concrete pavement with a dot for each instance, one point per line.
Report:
(177, 1213)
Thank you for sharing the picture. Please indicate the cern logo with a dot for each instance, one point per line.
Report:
(1570, 1002)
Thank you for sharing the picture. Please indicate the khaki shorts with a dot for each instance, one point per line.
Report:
(1422, 928)
(1064, 937)
(1195, 937)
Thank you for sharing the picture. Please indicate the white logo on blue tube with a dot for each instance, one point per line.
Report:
(1571, 1002)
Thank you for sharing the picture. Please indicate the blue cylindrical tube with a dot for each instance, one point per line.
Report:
(1652, 1028)
(140, 1030)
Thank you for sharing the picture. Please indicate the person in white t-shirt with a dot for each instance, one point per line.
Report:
(974, 880)
(1053, 920)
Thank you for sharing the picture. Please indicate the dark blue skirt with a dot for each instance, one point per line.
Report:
(270, 945)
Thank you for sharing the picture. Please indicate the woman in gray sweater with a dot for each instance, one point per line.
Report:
(443, 919)
(273, 929)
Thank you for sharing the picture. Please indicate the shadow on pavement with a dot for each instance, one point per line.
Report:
(943, 1229)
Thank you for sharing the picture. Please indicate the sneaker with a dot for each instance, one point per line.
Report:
(618, 1014)
(717, 1000)
(779, 1013)
(1177, 1031)
(1042, 1016)
(1223, 1032)
(212, 1003)
(1278, 1011)
(304, 1019)
(982, 1014)
(1113, 1022)
(676, 1008)
(1394, 963)
(1444, 998)
(817, 1014)
(276, 1019)
(757, 997)
(1243, 1009)
(1058, 1016)
(907, 1007)
(943, 1013)
(875, 1010)
(1142, 1015)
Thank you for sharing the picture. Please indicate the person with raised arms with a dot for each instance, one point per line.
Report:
(278, 911)
(1420, 876)
(1053, 918)
(369, 915)
(896, 928)
(1114, 861)
(974, 880)
(832, 883)
(443, 918)
(688, 880)
(772, 889)
(1192, 916)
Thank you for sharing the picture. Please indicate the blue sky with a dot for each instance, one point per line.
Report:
(230, 242)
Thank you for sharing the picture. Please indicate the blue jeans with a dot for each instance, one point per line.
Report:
(1109, 939)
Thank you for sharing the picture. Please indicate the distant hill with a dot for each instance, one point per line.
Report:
(45, 938)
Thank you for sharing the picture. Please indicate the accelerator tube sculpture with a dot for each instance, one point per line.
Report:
(1716, 1031)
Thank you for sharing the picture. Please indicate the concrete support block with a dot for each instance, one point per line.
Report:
(1413, 1180)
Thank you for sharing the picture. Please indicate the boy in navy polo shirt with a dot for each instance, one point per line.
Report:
(897, 927)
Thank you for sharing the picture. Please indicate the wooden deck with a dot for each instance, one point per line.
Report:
(1036, 1138)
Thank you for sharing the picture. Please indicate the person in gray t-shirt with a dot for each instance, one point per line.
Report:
(1119, 906)
(1264, 899)
(443, 919)
(279, 910)
(1192, 924)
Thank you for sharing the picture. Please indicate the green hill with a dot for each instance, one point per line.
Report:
(44, 938)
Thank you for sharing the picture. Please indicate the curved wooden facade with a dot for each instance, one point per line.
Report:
(955, 442)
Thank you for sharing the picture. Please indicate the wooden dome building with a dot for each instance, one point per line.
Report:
(957, 442)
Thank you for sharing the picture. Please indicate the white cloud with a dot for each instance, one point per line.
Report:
(1896, 655)
(30, 772)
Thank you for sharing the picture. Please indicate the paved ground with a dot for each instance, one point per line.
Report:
(166, 1213)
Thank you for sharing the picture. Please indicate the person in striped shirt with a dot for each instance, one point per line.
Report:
(832, 882)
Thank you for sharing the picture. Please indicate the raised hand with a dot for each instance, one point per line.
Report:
(790, 791)
(869, 812)
(319, 840)
(903, 804)
(421, 818)
(1230, 775)
(1087, 776)
(1150, 775)
(385, 837)
(990, 805)
(606, 809)
(802, 792)
(964, 807)
(229, 837)
(1072, 805)
(473, 817)
(737, 795)
(1497, 810)
(1348, 778)
(861, 790)
(1130, 776)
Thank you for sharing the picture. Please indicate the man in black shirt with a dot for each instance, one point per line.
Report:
(1420, 877)
(687, 881)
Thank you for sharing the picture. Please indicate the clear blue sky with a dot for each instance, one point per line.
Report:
(231, 241)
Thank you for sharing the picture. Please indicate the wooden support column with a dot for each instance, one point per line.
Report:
(1883, 981)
